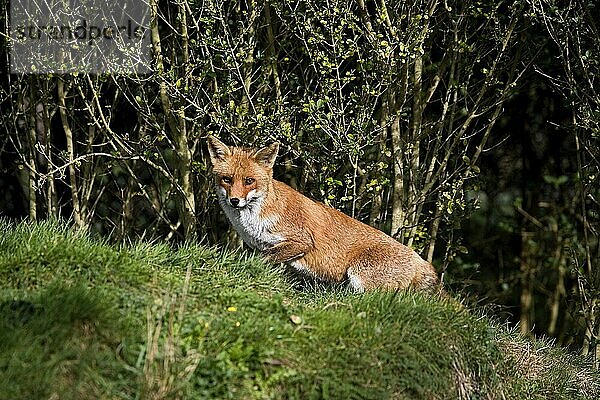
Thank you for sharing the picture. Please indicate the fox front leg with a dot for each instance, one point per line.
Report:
(285, 251)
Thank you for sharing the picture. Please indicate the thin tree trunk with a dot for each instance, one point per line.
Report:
(559, 288)
(375, 213)
(32, 139)
(272, 53)
(176, 118)
(526, 317)
(51, 201)
(435, 226)
(559, 291)
(246, 103)
(79, 220)
(415, 143)
(398, 148)
(181, 137)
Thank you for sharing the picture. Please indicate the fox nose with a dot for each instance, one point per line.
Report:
(234, 201)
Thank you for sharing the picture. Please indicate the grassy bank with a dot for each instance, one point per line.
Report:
(83, 319)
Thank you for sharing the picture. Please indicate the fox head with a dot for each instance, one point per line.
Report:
(243, 175)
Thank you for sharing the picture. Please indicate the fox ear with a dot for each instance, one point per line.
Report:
(217, 150)
(267, 155)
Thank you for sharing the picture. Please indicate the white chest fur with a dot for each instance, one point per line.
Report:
(254, 230)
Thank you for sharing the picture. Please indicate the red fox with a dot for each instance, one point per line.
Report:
(313, 238)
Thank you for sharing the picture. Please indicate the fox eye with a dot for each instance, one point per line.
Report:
(249, 181)
(227, 180)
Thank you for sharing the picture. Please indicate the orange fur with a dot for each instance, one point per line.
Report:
(316, 239)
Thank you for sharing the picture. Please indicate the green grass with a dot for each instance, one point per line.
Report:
(81, 319)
